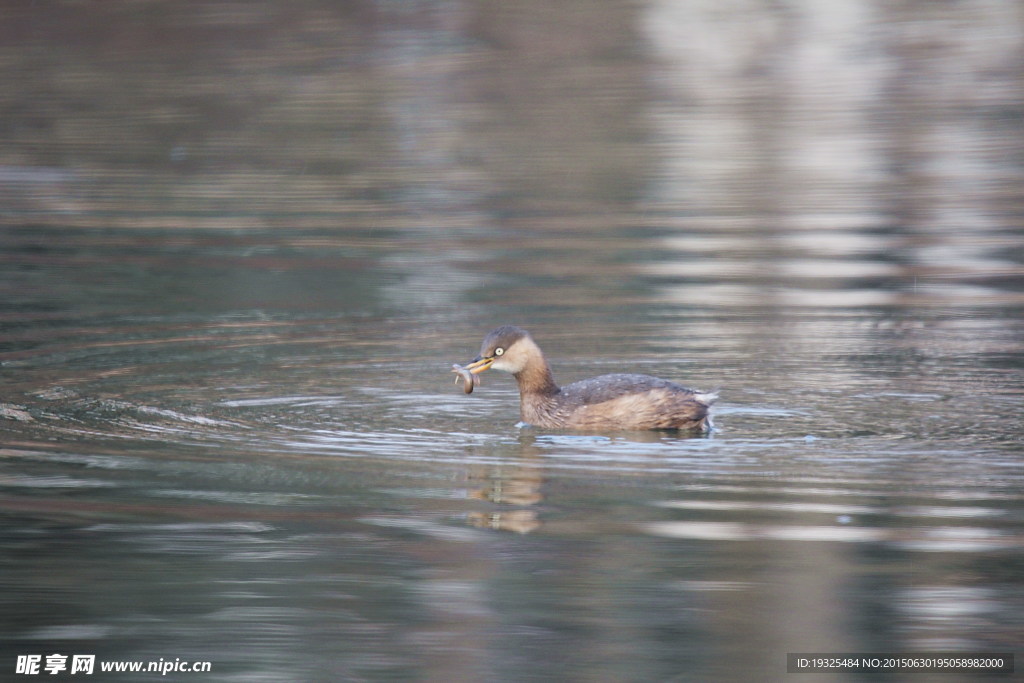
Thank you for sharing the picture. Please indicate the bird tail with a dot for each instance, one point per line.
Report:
(706, 397)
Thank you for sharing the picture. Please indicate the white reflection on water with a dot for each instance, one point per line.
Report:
(831, 508)
(959, 539)
(825, 508)
(936, 539)
(737, 531)
(937, 616)
(859, 160)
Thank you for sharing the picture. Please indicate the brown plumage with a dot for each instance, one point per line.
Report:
(608, 402)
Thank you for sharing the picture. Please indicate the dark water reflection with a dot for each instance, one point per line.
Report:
(241, 245)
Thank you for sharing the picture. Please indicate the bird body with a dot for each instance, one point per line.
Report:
(607, 402)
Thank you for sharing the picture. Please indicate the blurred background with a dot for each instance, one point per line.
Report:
(242, 242)
(852, 151)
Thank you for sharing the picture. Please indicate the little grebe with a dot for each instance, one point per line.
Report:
(608, 402)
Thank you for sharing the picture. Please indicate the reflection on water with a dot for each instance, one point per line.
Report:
(240, 247)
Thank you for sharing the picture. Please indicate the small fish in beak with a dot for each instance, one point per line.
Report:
(469, 379)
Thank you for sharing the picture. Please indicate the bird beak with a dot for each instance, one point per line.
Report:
(479, 364)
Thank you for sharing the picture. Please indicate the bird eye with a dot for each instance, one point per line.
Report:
(498, 351)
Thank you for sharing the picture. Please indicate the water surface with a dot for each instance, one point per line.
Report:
(233, 286)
